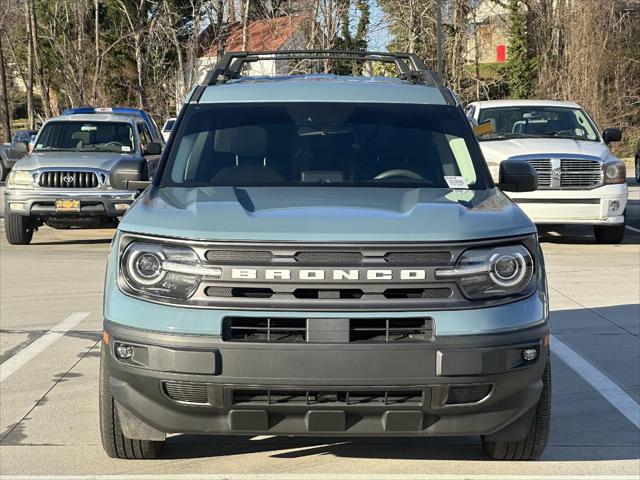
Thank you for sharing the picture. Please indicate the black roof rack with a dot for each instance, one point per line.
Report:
(409, 65)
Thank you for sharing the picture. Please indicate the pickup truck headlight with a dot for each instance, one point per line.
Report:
(19, 179)
(162, 270)
(615, 172)
(492, 272)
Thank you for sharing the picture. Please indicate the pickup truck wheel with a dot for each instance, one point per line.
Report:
(532, 446)
(612, 234)
(18, 229)
(114, 442)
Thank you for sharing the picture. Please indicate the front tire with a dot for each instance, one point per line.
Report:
(532, 446)
(114, 442)
(609, 234)
(18, 229)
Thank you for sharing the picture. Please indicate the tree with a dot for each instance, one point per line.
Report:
(520, 64)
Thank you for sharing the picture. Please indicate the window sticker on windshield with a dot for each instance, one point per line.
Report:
(456, 183)
(126, 149)
(88, 128)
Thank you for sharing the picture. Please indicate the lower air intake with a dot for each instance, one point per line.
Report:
(464, 394)
(186, 392)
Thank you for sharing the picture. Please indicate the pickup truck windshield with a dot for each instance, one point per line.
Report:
(541, 122)
(322, 144)
(86, 137)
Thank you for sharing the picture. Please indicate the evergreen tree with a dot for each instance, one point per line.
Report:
(520, 64)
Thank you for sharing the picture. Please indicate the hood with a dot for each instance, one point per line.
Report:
(71, 160)
(498, 150)
(325, 214)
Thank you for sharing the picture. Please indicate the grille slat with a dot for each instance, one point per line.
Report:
(68, 179)
(543, 167)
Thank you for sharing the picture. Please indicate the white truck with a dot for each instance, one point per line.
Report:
(579, 180)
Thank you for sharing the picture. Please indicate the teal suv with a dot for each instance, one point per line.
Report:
(323, 254)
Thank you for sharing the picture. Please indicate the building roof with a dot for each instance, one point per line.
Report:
(262, 35)
(525, 103)
(322, 88)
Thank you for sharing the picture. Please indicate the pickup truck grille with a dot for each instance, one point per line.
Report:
(580, 173)
(543, 167)
(567, 173)
(68, 179)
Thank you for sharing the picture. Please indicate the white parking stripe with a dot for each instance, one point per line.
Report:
(633, 229)
(10, 366)
(312, 476)
(611, 392)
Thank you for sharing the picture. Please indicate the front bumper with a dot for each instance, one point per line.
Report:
(41, 202)
(325, 389)
(600, 206)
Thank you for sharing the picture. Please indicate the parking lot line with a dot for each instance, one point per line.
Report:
(396, 476)
(10, 366)
(633, 229)
(611, 392)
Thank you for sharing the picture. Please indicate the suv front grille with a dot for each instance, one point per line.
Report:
(300, 330)
(327, 397)
(68, 179)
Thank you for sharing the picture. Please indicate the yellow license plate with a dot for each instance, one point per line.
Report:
(68, 205)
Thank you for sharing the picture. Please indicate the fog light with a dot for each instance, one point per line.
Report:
(614, 206)
(16, 206)
(121, 206)
(124, 352)
(529, 354)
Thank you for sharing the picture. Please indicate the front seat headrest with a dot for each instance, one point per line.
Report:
(249, 141)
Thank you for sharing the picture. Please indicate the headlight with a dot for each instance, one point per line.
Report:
(615, 172)
(492, 272)
(19, 179)
(163, 271)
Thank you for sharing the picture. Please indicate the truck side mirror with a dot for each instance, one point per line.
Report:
(21, 148)
(611, 135)
(517, 176)
(153, 148)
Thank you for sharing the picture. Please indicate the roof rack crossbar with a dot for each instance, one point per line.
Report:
(409, 65)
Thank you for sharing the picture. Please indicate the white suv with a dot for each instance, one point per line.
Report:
(579, 180)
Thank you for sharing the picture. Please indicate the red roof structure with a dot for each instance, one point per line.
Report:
(262, 35)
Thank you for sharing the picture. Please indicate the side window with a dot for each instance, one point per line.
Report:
(145, 135)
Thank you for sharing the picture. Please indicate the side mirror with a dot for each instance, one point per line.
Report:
(21, 148)
(138, 184)
(611, 135)
(153, 148)
(517, 176)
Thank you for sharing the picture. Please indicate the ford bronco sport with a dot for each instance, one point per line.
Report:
(326, 255)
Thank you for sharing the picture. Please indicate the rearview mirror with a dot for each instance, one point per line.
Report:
(517, 176)
(611, 135)
(153, 148)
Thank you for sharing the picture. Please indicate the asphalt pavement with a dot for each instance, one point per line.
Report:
(50, 324)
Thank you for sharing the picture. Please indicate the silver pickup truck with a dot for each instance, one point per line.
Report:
(81, 172)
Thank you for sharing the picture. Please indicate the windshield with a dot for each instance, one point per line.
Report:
(542, 122)
(86, 137)
(323, 144)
